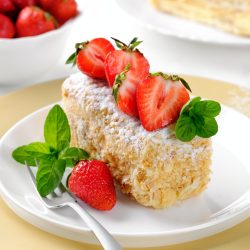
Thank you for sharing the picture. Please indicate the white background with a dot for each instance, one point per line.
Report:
(104, 18)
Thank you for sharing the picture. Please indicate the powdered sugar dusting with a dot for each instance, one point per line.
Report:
(86, 89)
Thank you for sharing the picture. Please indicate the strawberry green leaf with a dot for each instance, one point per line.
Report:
(134, 43)
(123, 46)
(78, 48)
(49, 175)
(72, 59)
(133, 40)
(185, 84)
(118, 81)
(119, 44)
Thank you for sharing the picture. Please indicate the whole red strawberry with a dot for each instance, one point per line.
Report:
(116, 61)
(46, 4)
(63, 10)
(7, 28)
(33, 21)
(6, 6)
(23, 3)
(92, 182)
(160, 99)
(90, 57)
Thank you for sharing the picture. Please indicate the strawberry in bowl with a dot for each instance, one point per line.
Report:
(34, 21)
(34, 31)
(7, 28)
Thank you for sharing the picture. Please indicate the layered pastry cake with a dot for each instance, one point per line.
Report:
(154, 168)
(229, 15)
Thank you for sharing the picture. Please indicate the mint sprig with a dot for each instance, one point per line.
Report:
(53, 155)
(197, 117)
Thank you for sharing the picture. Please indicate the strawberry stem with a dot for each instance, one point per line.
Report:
(118, 81)
(78, 48)
(173, 78)
(123, 46)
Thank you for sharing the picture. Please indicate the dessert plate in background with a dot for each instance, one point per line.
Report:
(178, 27)
(225, 202)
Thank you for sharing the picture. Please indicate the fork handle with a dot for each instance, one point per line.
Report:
(105, 238)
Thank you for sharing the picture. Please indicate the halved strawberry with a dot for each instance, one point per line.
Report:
(117, 60)
(124, 91)
(90, 57)
(160, 99)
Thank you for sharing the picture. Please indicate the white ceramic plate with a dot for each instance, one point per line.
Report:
(174, 26)
(132, 224)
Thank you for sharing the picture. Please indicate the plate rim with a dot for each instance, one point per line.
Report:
(200, 227)
(180, 36)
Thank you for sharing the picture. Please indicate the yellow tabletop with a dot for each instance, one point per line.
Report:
(16, 233)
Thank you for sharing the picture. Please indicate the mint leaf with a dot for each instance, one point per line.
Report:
(197, 119)
(185, 129)
(207, 108)
(21, 155)
(49, 175)
(40, 150)
(56, 129)
(209, 128)
(190, 104)
(74, 155)
(32, 152)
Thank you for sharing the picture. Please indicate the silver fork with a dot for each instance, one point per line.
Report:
(64, 198)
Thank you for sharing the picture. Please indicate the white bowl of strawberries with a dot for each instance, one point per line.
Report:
(32, 36)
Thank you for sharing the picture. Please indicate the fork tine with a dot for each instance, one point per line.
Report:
(58, 192)
(52, 195)
(31, 174)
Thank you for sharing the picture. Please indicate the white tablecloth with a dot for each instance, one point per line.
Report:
(104, 18)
